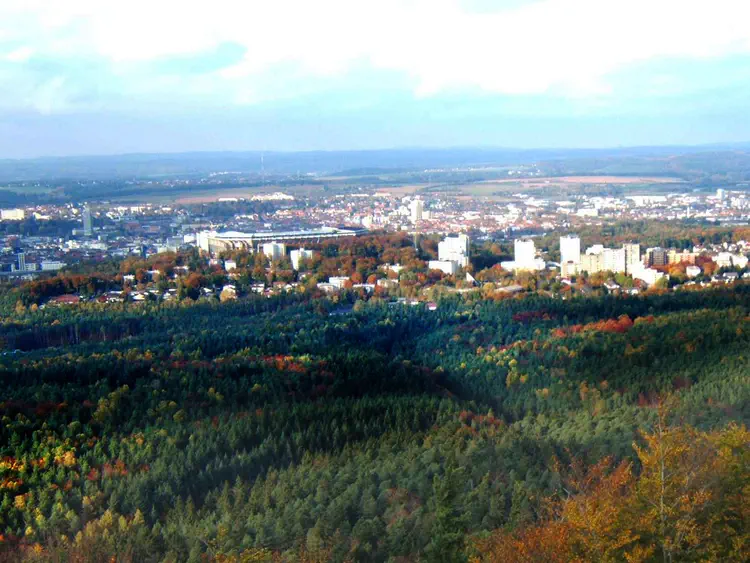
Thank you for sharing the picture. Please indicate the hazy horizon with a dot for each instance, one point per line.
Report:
(699, 147)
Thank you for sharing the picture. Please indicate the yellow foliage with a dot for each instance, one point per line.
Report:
(20, 502)
(67, 459)
(689, 502)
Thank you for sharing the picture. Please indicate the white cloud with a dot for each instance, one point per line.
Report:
(20, 55)
(561, 46)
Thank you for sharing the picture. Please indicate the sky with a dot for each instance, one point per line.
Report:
(107, 77)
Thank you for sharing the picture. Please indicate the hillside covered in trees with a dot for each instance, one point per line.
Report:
(295, 428)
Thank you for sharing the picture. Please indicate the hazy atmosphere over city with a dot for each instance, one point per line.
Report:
(99, 77)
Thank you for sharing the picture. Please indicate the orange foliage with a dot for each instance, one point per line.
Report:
(117, 469)
(528, 316)
(537, 544)
(620, 325)
(689, 502)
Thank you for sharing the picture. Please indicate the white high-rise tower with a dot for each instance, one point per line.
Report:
(524, 253)
(416, 207)
(570, 249)
(88, 227)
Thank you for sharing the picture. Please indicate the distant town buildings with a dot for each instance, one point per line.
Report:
(597, 259)
(276, 196)
(238, 224)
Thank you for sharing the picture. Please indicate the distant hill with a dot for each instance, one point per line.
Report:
(130, 166)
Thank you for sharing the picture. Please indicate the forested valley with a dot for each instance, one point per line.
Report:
(292, 428)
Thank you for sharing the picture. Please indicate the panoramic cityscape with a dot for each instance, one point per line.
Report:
(407, 281)
(98, 232)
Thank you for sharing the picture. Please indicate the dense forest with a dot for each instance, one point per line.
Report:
(295, 428)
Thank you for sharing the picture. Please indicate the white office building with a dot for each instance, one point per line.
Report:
(88, 226)
(613, 260)
(416, 208)
(570, 249)
(52, 265)
(12, 214)
(739, 260)
(692, 271)
(274, 250)
(524, 253)
(647, 275)
(632, 256)
(337, 282)
(296, 255)
(449, 267)
(455, 249)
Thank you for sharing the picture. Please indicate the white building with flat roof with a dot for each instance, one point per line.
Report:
(692, 271)
(648, 275)
(274, 250)
(524, 254)
(449, 267)
(416, 208)
(215, 242)
(300, 254)
(455, 249)
(88, 225)
(52, 265)
(337, 281)
(12, 214)
(632, 256)
(570, 249)
(613, 260)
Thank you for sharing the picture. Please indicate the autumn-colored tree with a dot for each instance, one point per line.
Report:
(689, 503)
(678, 497)
(594, 511)
(549, 543)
